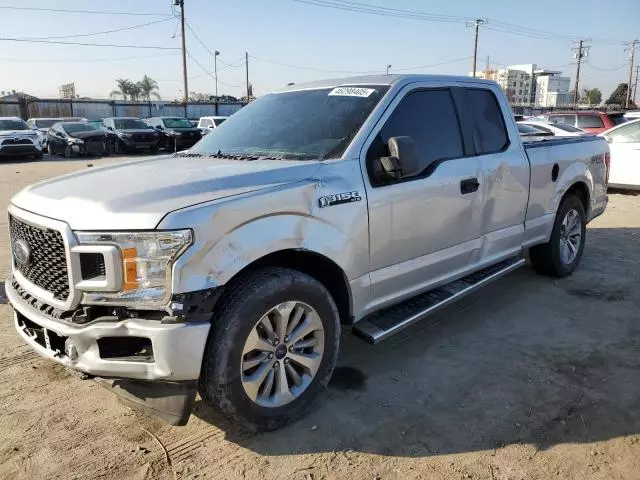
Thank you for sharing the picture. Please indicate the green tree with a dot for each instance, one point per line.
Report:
(619, 96)
(148, 88)
(591, 96)
(124, 88)
(135, 90)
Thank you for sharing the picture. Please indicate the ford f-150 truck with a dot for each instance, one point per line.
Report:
(230, 268)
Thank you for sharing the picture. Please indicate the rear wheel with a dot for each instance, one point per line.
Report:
(272, 348)
(561, 255)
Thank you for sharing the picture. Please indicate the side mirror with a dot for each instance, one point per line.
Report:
(403, 160)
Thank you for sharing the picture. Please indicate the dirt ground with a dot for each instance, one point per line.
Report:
(529, 378)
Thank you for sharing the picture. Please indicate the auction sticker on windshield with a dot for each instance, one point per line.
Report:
(352, 91)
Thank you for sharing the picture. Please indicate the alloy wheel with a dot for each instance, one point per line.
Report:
(570, 237)
(282, 354)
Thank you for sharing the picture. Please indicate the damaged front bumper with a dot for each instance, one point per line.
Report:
(153, 365)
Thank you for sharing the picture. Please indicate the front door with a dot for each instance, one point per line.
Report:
(424, 230)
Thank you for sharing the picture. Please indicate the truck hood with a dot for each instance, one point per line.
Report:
(137, 195)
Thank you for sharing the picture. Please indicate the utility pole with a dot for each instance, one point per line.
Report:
(215, 70)
(635, 84)
(580, 52)
(246, 69)
(632, 51)
(180, 3)
(476, 25)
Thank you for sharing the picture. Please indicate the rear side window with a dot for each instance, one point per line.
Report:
(590, 121)
(568, 119)
(429, 117)
(628, 134)
(483, 110)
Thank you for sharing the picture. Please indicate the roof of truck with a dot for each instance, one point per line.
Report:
(383, 80)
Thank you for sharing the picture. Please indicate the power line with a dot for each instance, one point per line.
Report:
(99, 33)
(208, 72)
(10, 7)
(110, 45)
(418, 67)
(227, 65)
(82, 60)
(313, 69)
(498, 26)
(606, 69)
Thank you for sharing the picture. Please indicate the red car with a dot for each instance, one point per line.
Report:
(589, 120)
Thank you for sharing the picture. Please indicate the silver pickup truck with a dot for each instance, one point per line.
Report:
(230, 268)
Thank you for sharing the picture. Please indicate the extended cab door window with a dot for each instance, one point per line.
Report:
(486, 123)
(429, 118)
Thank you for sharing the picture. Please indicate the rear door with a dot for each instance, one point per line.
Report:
(624, 144)
(424, 230)
(504, 167)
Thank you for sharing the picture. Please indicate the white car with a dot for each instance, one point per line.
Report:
(624, 145)
(18, 140)
(555, 129)
(634, 115)
(207, 124)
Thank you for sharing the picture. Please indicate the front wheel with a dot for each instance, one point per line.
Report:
(561, 255)
(68, 152)
(272, 349)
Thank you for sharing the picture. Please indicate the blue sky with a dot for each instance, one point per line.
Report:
(334, 42)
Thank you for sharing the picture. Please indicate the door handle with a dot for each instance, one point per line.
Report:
(469, 185)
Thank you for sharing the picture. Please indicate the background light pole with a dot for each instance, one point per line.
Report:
(388, 67)
(215, 70)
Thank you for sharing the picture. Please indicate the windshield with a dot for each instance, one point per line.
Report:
(129, 124)
(567, 127)
(78, 127)
(176, 123)
(45, 123)
(301, 125)
(13, 125)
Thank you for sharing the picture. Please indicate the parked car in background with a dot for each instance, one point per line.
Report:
(18, 140)
(529, 131)
(42, 125)
(555, 129)
(111, 136)
(207, 124)
(591, 121)
(76, 138)
(177, 133)
(632, 115)
(132, 135)
(624, 144)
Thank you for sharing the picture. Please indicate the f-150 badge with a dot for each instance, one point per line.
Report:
(338, 198)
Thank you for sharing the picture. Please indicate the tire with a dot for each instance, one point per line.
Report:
(224, 374)
(550, 258)
(68, 152)
(38, 156)
(153, 150)
(51, 150)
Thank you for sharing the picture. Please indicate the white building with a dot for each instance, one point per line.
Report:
(515, 80)
(552, 89)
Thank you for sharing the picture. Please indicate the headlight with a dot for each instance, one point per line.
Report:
(75, 141)
(147, 258)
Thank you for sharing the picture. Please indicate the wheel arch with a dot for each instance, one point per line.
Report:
(317, 266)
(580, 190)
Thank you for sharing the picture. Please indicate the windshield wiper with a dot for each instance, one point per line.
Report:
(220, 155)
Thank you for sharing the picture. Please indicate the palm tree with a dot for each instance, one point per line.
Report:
(124, 88)
(135, 90)
(148, 88)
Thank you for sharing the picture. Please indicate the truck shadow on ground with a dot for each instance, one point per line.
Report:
(526, 360)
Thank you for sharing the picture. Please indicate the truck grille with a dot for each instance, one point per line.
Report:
(143, 137)
(46, 263)
(17, 141)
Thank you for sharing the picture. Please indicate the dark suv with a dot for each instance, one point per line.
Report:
(177, 133)
(133, 134)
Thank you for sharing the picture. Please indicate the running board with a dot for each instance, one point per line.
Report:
(386, 322)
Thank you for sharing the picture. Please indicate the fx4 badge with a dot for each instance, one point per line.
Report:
(338, 198)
